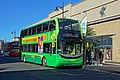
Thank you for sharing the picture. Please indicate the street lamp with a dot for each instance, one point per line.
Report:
(14, 32)
(62, 8)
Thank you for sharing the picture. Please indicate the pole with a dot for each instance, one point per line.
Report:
(63, 10)
(84, 20)
(15, 34)
(84, 52)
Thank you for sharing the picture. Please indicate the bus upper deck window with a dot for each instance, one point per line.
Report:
(29, 31)
(34, 30)
(45, 27)
(25, 32)
(52, 25)
(39, 28)
(66, 27)
(22, 34)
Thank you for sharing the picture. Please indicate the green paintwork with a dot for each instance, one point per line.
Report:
(54, 60)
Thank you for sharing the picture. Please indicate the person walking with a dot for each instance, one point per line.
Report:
(88, 56)
(92, 56)
(101, 56)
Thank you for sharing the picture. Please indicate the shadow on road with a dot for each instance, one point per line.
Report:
(4, 60)
(56, 74)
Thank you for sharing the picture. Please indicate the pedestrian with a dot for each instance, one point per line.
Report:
(89, 56)
(92, 56)
(101, 56)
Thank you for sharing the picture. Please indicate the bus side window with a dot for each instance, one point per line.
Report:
(22, 34)
(39, 28)
(34, 30)
(25, 32)
(29, 31)
(52, 25)
(53, 47)
(24, 48)
(28, 48)
(32, 46)
(36, 47)
(45, 27)
(48, 48)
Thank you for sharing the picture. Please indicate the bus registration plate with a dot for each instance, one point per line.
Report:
(72, 59)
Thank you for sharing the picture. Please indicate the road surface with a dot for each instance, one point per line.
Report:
(11, 68)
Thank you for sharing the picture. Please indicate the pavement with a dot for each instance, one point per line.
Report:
(116, 64)
(112, 63)
(109, 67)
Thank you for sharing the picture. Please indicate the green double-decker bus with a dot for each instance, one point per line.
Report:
(56, 42)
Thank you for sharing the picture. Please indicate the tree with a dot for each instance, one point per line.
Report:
(90, 31)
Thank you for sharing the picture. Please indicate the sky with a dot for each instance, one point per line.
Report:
(15, 15)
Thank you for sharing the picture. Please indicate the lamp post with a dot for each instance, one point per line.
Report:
(62, 8)
(84, 28)
(14, 32)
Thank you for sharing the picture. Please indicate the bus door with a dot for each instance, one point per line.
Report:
(50, 50)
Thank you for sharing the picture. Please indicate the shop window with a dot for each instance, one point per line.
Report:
(106, 42)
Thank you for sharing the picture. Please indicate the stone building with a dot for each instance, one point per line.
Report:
(103, 16)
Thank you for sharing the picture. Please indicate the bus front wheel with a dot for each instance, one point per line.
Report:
(44, 62)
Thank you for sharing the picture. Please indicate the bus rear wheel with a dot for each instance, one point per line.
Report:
(44, 62)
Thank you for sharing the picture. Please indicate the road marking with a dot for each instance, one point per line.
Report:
(67, 74)
(53, 70)
(73, 74)
(2, 60)
(103, 71)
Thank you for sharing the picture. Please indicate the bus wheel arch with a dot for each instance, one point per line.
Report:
(44, 61)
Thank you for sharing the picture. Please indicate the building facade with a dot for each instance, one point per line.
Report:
(103, 16)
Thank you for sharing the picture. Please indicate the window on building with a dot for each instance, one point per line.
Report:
(106, 42)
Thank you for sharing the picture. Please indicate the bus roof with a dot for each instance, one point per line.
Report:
(37, 23)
